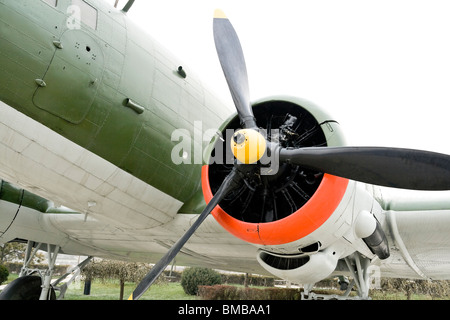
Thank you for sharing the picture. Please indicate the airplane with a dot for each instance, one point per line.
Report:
(111, 147)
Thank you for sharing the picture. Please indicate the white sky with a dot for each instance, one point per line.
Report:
(381, 68)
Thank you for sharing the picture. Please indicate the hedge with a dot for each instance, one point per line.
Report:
(4, 273)
(15, 267)
(224, 292)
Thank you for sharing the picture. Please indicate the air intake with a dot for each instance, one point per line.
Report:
(284, 262)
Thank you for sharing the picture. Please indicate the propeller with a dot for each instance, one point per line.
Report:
(230, 182)
(232, 60)
(392, 167)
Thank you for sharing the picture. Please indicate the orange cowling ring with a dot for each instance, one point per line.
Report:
(291, 228)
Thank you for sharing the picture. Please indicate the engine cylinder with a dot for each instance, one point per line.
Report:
(268, 198)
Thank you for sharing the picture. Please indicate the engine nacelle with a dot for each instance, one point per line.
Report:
(295, 208)
(302, 221)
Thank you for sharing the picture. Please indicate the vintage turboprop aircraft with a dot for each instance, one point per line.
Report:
(96, 116)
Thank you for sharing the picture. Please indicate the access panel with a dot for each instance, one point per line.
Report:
(71, 82)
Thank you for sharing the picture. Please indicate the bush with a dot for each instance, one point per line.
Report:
(194, 277)
(4, 273)
(236, 293)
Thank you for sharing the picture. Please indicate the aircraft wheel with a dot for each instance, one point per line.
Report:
(24, 288)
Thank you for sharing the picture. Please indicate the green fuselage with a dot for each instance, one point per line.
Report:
(76, 77)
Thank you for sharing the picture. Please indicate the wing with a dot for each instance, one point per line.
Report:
(418, 230)
(24, 215)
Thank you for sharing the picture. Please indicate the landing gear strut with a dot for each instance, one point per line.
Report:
(359, 268)
(36, 284)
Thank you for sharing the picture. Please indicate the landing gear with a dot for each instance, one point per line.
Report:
(36, 284)
(359, 268)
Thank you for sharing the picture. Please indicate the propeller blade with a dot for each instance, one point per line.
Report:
(390, 167)
(230, 182)
(232, 60)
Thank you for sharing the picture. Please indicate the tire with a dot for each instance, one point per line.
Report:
(24, 288)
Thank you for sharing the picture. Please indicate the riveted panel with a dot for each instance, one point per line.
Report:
(73, 77)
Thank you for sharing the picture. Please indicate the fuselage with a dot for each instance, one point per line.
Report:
(89, 74)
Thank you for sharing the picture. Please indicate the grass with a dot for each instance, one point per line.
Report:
(110, 291)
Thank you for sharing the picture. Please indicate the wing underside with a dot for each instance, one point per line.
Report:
(418, 231)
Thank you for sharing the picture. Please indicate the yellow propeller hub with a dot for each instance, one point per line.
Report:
(248, 145)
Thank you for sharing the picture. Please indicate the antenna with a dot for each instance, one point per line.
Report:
(128, 6)
(117, 2)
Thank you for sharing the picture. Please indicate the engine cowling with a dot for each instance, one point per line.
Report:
(281, 212)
